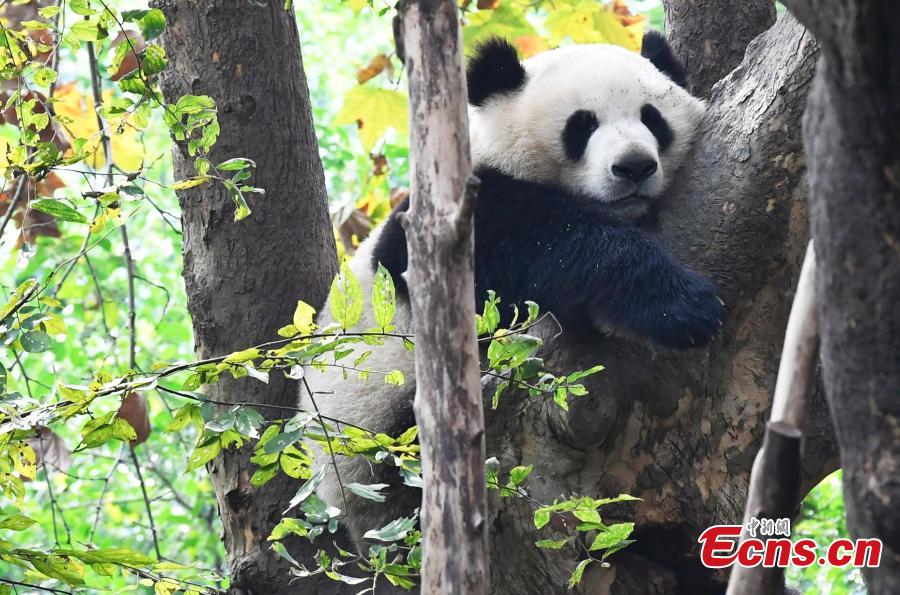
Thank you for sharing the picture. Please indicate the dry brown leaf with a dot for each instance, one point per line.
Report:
(51, 450)
(623, 13)
(376, 66)
(379, 164)
(354, 229)
(398, 195)
(134, 411)
(129, 62)
(488, 4)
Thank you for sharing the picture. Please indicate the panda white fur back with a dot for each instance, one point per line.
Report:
(571, 146)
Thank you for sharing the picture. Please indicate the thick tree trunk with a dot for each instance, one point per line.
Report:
(243, 279)
(439, 231)
(710, 36)
(680, 430)
(852, 135)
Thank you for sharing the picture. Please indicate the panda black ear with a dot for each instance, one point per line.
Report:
(656, 49)
(493, 69)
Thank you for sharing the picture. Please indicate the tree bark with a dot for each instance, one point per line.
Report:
(439, 228)
(775, 475)
(680, 429)
(243, 279)
(710, 36)
(852, 135)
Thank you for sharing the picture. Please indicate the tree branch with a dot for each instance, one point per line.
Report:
(708, 49)
(440, 239)
(775, 476)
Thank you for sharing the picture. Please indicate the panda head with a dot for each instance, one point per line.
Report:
(597, 120)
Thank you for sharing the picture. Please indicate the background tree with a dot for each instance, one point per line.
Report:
(243, 281)
(852, 135)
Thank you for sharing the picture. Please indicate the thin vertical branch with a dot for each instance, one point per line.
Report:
(137, 470)
(129, 267)
(106, 481)
(13, 202)
(439, 235)
(775, 477)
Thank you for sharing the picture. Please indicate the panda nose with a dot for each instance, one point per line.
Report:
(636, 169)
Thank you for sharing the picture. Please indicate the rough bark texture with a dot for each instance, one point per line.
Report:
(852, 135)
(680, 430)
(440, 236)
(243, 279)
(710, 36)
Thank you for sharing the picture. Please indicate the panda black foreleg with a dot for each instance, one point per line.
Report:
(644, 291)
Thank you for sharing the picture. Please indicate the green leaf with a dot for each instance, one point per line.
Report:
(66, 569)
(383, 299)
(83, 31)
(44, 77)
(612, 536)
(541, 518)
(307, 488)
(15, 522)
(575, 578)
(263, 475)
(553, 544)
(282, 441)
(346, 299)
(237, 197)
(289, 526)
(194, 104)
(59, 209)
(204, 453)
(576, 376)
(152, 23)
(511, 350)
(111, 555)
(395, 377)
(36, 342)
(393, 531)
(153, 60)
(236, 164)
(519, 474)
(501, 388)
(369, 492)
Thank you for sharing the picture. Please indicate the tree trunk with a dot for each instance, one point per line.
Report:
(680, 429)
(852, 135)
(243, 279)
(439, 231)
(710, 36)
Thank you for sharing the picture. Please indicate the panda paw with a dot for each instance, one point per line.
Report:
(692, 317)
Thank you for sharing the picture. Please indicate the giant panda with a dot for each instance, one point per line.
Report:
(572, 146)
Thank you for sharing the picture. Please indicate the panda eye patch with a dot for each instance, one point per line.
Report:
(654, 121)
(579, 128)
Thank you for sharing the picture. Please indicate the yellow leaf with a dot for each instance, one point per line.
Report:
(375, 111)
(505, 21)
(357, 5)
(576, 21)
(77, 111)
(24, 460)
(190, 182)
(611, 30)
(54, 325)
(303, 318)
